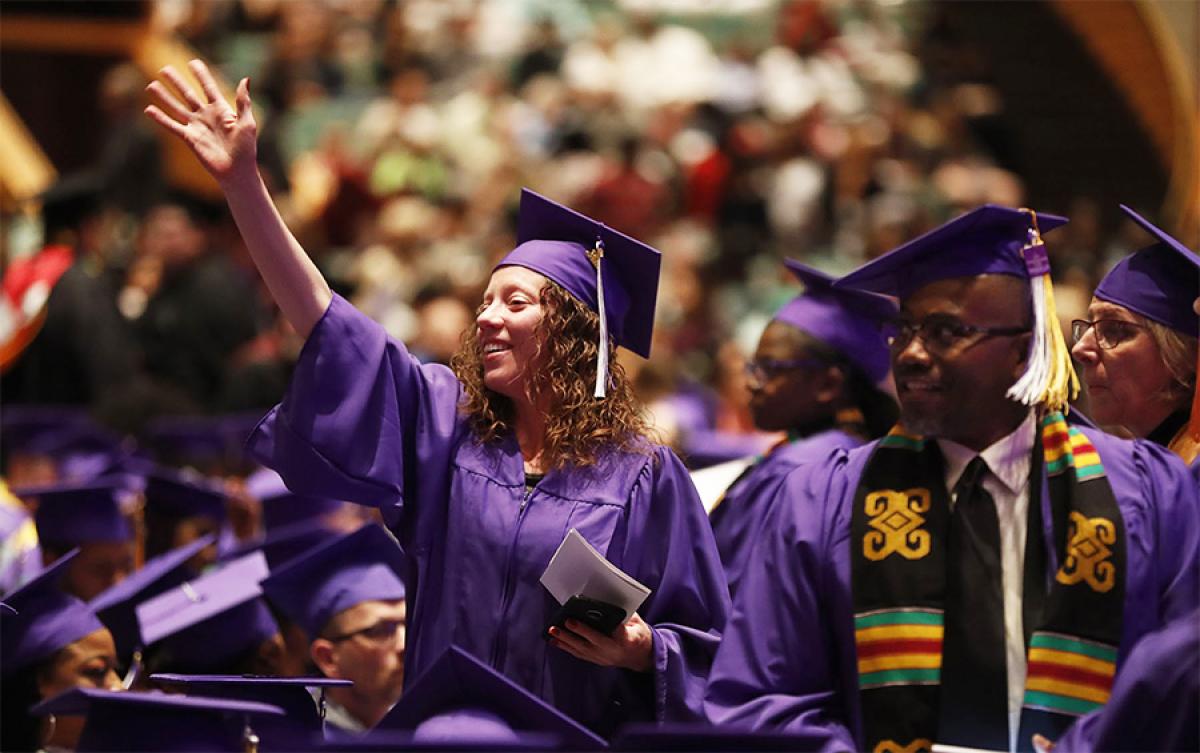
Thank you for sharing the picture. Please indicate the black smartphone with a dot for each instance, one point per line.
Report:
(598, 615)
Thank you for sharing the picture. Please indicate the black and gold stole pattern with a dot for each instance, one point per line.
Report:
(898, 572)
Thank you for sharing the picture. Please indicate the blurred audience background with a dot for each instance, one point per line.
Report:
(397, 136)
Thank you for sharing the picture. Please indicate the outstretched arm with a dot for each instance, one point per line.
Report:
(225, 142)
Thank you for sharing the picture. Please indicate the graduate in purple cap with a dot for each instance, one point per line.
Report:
(215, 624)
(92, 518)
(50, 642)
(980, 574)
(482, 470)
(815, 375)
(347, 599)
(1138, 345)
(182, 507)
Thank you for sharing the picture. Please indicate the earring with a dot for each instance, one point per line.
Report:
(48, 735)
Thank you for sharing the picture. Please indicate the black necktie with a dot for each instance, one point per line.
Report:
(974, 697)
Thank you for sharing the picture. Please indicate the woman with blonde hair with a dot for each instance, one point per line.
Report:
(1138, 348)
(481, 471)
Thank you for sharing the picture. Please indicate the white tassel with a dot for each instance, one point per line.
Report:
(1029, 389)
(597, 257)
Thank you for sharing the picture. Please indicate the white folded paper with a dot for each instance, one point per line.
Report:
(712, 482)
(577, 569)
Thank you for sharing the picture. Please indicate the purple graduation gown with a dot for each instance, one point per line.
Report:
(788, 660)
(363, 420)
(1155, 703)
(739, 515)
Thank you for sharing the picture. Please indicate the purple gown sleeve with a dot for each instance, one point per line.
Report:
(788, 642)
(672, 545)
(362, 419)
(1176, 515)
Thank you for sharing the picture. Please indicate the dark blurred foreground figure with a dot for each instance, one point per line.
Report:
(50, 642)
(1138, 346)
(814, 375)
(885, 607)
(1155, 702)
(483, 470)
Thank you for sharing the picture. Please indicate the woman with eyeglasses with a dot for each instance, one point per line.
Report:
(1138, 345)
(815, 375)
(481, 470)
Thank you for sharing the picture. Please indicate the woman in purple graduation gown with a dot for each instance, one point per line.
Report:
(815, 375)
(482, 471)
(1138, 345)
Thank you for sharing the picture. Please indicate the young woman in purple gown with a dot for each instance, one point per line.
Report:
(481, 471)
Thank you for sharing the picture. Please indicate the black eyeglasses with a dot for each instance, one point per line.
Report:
(384, 630)
(760, 370)
(1109, 332)
(942, 333)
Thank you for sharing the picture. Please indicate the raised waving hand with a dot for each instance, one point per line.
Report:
(225, 139)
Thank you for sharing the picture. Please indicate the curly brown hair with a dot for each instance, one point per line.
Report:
(578, 426)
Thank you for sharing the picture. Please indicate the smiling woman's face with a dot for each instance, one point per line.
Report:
(1126, 383)
(507, 329)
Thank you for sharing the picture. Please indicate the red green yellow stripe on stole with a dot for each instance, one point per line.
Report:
(1066, 446)
(1068, 675)
(898, 647)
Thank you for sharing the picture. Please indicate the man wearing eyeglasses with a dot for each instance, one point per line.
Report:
(979, 575)
(349, 597)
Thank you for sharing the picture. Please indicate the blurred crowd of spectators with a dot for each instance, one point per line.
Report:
(396, 137)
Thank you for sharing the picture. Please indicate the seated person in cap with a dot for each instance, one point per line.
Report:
(88, 517)
(1138, 345)
(348, 599)
(50, 642)
(181, 508)
(885, 606)
(216, 624)
(482, 471)
(814, 375)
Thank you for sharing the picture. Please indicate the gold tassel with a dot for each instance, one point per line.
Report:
(1062, 383)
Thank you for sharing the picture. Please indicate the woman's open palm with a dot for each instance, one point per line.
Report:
(222, 138)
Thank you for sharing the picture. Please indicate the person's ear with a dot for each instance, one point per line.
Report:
(269, 659)
(321, 652)
(830, 386)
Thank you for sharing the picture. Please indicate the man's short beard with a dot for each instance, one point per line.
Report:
(922, 424)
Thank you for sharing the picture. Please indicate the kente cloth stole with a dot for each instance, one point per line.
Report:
(898, 536)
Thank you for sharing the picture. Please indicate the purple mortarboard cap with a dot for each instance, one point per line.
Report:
(1161, 282)
(291, 732)
(184, 495)
(280, 506)
(987, 240)
(848, 320)
(117, 607)
(36, 428)
(285, 543)
(200, 440)
(554, 241)
(134, 722)
(70, 514)
(46, 619)
(461, 688)
(705, 737)
(202, 624)
(366, 565)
